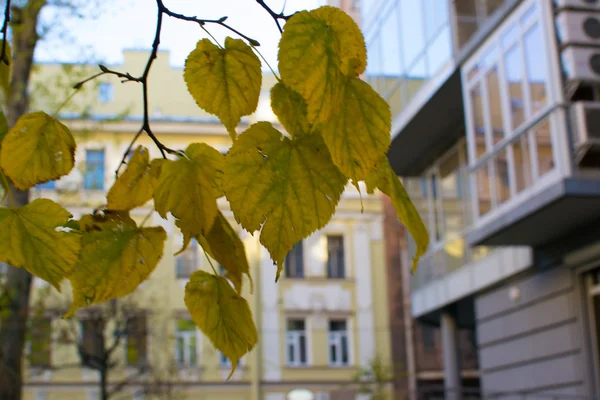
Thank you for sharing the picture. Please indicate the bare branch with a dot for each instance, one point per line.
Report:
(3, 56)
(276, 16)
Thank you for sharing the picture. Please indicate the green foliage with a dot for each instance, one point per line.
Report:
(285, 185)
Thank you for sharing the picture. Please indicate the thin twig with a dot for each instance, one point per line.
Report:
(123, 160)
(3, 56)
(201, 22)
(276, 16)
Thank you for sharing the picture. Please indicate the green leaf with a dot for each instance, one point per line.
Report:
(290, 188)
(226, 81)
(116, 256)
(221, 314)
(189, 188)
(223, 244)
(317, 49)
(31, 237)
(384, 178)
(37, 149)
(5, 72)
(3, 132)
(290, 109)
(136, 185)
(358, 135)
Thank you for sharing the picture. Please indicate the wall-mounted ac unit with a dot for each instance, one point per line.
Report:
(578, 4)
(586, 133)
(576, 27)
(581, 64)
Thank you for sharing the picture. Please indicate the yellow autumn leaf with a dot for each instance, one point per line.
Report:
(5, 72)
(384, 178)
(189, 188)
(136, 185)
(358, 135)
(224, 245)
(290, 188)
(317, 49)
(37, 149)
(116, 256)
(32, 237)
(290, 109)
(226, 81)
(3, 132)
(221, 314)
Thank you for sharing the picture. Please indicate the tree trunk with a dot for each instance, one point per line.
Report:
(13, 324)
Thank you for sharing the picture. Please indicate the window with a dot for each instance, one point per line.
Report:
(92, 339)
(335, 257)
(41, 339)
(185, 343)
(105, 92)
(294, 262)
(135, 344)
(338, 343)
(296, 343)
(50, 185)
(94, 170)
(224, 362)
(187, 262)
(511, 82)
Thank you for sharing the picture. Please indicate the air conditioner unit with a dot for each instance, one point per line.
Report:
(581, 28)
(578, 4)
(581, 64)
(586, 133)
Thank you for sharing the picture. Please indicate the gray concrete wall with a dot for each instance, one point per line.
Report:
(533, 343)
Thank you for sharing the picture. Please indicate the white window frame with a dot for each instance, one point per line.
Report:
(334, 338)
(292, 337)
(187, 354)
(344, 250)
(543, 18)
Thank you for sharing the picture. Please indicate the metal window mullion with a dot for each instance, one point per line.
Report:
(506, 122)
(528, 107)
(471, 148)
(488, 139)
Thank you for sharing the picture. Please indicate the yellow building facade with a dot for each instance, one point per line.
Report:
(325, 318)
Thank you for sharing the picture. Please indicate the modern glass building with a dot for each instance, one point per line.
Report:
(496, 134)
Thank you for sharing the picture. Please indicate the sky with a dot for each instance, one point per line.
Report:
(130, 24)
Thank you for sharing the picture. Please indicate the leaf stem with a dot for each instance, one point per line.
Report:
(64, 103)
(147, 217)
(266, 62)
(276, 17)
(210, 262)
(11, 199)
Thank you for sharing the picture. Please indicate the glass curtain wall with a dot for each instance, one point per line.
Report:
(441, 197)
(506, 89)
(408, 41)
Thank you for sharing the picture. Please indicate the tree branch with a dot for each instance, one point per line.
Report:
(3, 56)
(202, 22)
(276, 17)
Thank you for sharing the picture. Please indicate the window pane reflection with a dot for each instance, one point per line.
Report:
(478, 125)
(536, 68)
(439, 51)
(436, 14)
(392, 67)
(513, 66)
(374, 65)
(545, 156)
(502, 177)
(451, 187)
(495, 109)
(415, 78)
(413, 42)
(522, 157)
(483, 185)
